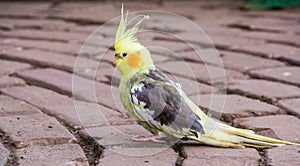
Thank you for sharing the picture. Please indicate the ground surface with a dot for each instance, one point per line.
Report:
(39, 124)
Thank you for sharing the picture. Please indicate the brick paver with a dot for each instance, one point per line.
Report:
(229, 107)
(46, 104)
(264, 90)
(285, 155)
(273, 126)
(291, 105)
(220, 156)
(288, 75)
(9, 67)
(66, 154)
(47, 131)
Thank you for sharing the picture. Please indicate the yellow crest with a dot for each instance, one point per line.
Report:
(127, 38)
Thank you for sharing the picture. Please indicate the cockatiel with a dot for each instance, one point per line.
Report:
(161, 106)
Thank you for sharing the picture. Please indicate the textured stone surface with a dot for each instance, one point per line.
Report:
(45, 35)
(9, 67)
(66, 154)
(65, 48)
(284, 156)
(72, 112)
(69, 84)
(51, 59)
(10, 106)
(291, 105)
(165, 157)
(288, 75)
(7, 81)
(264, 90)
(47, 130)
(220, 156)
(204, 73)
(244, 62)
(285, 127)
(229, 107)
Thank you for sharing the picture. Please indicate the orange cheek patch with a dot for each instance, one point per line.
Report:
(134, 61)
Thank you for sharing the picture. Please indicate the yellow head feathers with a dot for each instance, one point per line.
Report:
(127, 38)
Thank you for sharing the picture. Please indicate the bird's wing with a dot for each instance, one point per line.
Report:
(158, 102)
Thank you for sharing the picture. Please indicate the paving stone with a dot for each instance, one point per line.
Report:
(55, 60)
(266, 25)
(284, 127)
(220, 156)
(229, 107)
(263, 90)
(44, 35)
(272, 50)
(18, 23)
(244, 63)
(9, 67)
(291, 105)
(166, 157)
(203, 73)
(47, 130)
(288, 39)
(23, 10)
(284, 155)
(65, 48)
(10, 106)
(72, 112)
(8, 81)
(287, 74)
(90, 14)
(66, 154)
(104, 30)
(72, 85)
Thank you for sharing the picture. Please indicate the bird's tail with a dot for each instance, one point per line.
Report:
(223, 135)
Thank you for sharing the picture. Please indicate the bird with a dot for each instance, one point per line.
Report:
(159, 105)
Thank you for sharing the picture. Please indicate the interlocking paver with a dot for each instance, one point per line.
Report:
(285, 127)
(65, 154)
(204, 73)
(284, 156)
(8, 81)
(69, 84)
(244, 63)
(10, 106)
(291, 105)
(9, 67)
(65, 48)
(18, 23)
(289, 74)
(53, 34)
(229, 107)
(264, 90)
(73, 113)
(165, 157)
(54, 60)
(220, 156)
(44, 35)
(47, 130)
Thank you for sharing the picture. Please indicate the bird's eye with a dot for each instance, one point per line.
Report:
(124, 54)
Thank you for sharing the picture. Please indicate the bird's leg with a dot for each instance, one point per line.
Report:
(144, 138)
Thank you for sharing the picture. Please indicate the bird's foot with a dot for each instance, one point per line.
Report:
(144, 138)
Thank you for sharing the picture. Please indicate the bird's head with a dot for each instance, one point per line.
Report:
(130, 55)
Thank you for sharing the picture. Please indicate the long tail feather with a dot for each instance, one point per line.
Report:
(227, 136)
